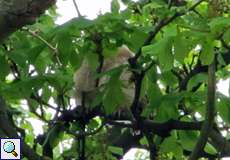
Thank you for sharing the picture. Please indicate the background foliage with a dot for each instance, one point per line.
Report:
(174, 40)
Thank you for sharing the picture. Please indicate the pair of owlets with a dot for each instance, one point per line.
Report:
(85, 81)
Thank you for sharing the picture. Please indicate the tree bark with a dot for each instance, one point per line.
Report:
(15, 14)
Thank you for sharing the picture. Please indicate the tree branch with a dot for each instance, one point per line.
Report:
(210, 114)
(77, 9)
(15, 14)
(50, 46)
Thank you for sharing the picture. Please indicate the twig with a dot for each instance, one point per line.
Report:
(77, 9)
(39, 100)
(40, 116)
(54, 49)
(195, 11)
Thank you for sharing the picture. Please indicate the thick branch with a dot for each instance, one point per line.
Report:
(17, 13)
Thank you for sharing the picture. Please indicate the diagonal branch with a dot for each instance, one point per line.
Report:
(210, 114)
(77, 9)
(50, 46)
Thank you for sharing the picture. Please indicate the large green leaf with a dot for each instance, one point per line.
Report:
(224, 108)
(210, 149)
(116, 150)
(188, 139)
(168, 78)
(219, 24)
(163, 49)
(171, 145)
(19, 57)
(181, 48)
(155, 98)
(155, 95)
(113, 94)
(64, 47)
(165, 55)
(207, 51)
(34, 52)
(168, 107)
(195, 80)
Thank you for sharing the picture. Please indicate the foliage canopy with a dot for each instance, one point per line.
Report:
(175, 41)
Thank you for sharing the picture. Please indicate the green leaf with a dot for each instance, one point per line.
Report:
(113, 98)
(226, 36)
(113, 94)
(188, 139)
(19, 57)
(116, 150)
(181, 48)
(198, 78)
(224, 109)
(155, 96)
(166, 111)
(195, 101)
(219, 24)
(168, 108)
(144, 141)
(115, 6)
(34, 53)
(168, 78)
(24, 87)
(210, 149)
(59, 80)
(163, 49)
(207, 52)
(170, 30)
(64, 47)
(136, 39)
(171, 145)
(165, 54)
(75, 60)
(149, 49)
